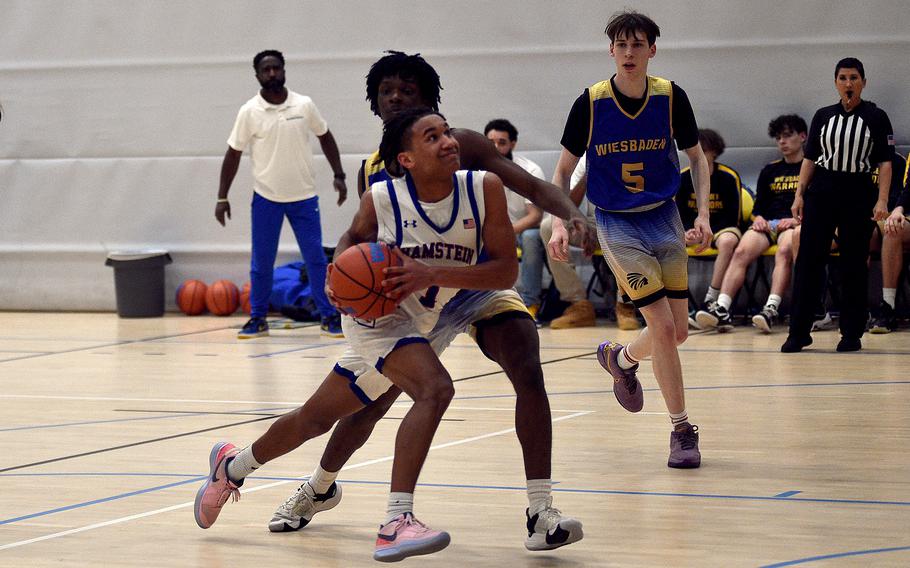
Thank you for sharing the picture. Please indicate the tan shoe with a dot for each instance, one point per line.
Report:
(578, 314)
(625, 317)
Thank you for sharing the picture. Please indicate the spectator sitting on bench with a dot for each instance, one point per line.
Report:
(524, 215)
(725, 204)
(894, 233)
(772, 225)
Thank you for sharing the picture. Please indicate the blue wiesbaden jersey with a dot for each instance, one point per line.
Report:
(631, 159)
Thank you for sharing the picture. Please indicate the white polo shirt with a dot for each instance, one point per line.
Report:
(517, 204)
(280, 145)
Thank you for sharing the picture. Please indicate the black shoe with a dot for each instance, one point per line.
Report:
(886, 321)
(847, 344)
(795, 344)
(715, 317)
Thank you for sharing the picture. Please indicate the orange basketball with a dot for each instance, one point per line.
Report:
(356, 280)
(245, 299)
(191, 297)
(222, 298)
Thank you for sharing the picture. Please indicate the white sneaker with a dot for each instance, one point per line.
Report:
(299, 509)
(824, 324)
(548, 529)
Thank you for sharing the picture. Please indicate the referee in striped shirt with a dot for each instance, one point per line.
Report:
(847, 141)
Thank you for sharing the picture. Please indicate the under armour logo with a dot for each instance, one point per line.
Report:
(409, 223)
(637, 280)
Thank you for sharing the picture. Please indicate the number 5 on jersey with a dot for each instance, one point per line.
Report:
(635, 182)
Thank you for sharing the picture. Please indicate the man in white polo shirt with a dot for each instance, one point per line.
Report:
(276, 125)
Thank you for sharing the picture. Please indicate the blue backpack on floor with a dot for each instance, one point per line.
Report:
(291, 293)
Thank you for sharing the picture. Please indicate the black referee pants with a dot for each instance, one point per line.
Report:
(843, 201)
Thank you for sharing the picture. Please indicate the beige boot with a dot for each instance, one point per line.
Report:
(625, 317)
(578, 314)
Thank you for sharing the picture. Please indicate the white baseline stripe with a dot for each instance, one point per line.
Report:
(257, 488)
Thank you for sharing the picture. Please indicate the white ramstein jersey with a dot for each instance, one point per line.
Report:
(445, 233)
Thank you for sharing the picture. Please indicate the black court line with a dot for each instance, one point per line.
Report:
(239, 413)
(491, 373)
(115, 344)
(133, 444)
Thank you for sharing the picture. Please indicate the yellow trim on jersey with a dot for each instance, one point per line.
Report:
(373, 164)
(906, 169)
(604, 90)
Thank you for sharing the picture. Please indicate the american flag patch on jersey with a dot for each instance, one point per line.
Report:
(469, 223)
(891, 140)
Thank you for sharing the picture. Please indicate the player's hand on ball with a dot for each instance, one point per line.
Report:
(408, 278)
(328, 289)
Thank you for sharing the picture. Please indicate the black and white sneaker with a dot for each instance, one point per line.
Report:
(715, 317)
(299, 509)
(885, 321)
(765, 319)
(548, 529)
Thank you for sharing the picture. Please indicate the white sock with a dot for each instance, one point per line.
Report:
(712, 294)
(680, 418)
(538, 495)
(321, 480)
(773, 301)
(725, 301)
(889, 295)
(625, 360)
(399, 503)
(242, 465)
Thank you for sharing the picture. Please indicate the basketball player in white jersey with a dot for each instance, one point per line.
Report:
(441, 219)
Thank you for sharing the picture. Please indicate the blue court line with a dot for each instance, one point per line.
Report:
(788, 493)
(839, 555)
(195, 478)
(113, 420)
(102, 500)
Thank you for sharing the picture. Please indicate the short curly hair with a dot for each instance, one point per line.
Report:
(411, 67)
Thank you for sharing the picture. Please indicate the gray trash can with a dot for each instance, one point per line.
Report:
(139, 282)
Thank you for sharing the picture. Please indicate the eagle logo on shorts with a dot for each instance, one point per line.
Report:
(637, 280)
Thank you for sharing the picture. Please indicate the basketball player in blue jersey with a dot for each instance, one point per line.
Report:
(628, 128)
(433, 204)
(498, 320)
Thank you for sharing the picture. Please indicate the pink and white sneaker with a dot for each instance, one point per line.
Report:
(214, 493)
(405, 536)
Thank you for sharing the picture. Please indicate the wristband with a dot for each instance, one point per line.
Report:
(223, 200)
(340, 176)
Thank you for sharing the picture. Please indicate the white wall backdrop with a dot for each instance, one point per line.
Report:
(116, 112)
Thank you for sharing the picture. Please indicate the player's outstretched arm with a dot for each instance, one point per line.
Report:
(478, 153)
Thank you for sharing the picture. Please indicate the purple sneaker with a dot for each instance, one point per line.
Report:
(625, 384)
(684, 452)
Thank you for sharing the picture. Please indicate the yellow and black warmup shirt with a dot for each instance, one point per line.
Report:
(904, 198)
(898, 180)
(776, 189)
(373, 169)
(850, 142)
(631, 155)
(725, 200)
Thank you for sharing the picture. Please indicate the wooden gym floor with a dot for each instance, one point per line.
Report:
(107, 425)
